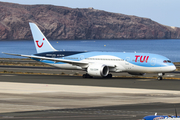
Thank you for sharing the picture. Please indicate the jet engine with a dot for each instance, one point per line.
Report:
(98, 70)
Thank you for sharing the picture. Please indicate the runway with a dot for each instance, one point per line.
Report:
(72, 97)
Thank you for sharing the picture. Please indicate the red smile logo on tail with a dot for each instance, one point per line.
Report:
(37, 42)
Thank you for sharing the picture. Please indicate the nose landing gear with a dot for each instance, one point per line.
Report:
(160, 75)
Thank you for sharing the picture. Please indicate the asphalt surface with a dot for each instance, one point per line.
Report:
(121, 112)
(126, 112)
(78, 80)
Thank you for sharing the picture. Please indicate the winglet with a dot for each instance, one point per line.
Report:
(40, 41)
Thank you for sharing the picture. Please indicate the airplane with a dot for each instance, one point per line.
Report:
(162, 117)
(97, 64)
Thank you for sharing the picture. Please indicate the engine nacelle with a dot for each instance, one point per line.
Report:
(133, 73)
(98, 70)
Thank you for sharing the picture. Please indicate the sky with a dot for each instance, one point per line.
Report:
(166, 12)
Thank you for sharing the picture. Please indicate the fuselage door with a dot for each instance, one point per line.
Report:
(127, 60)
(81, 57)
(153, 61)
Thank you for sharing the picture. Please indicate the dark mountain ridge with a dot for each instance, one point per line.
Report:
(58, 22)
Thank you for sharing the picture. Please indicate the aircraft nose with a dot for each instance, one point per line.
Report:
(173, 68)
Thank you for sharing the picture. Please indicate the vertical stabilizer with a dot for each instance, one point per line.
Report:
(40, 41)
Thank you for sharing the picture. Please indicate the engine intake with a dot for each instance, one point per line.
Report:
(98, 70)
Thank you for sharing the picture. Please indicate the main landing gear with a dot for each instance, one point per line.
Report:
(88, 76)
(160, 75)
(109, 76)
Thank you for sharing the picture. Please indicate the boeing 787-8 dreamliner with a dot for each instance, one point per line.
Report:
(98, 64)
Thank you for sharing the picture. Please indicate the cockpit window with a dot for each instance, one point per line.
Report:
(167, 61)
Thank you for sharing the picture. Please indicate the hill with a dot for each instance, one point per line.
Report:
(59, 22)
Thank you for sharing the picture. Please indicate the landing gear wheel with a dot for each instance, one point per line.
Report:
(159, 78)
(160, 75)
(86, 76)
(109, 76)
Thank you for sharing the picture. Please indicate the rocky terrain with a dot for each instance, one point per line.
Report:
(59, 22)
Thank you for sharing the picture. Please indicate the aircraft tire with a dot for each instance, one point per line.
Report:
(84, 76)
(159, 78)
(87, 76)
(109, 76)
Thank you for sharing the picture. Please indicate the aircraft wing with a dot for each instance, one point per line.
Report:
(83, 64)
